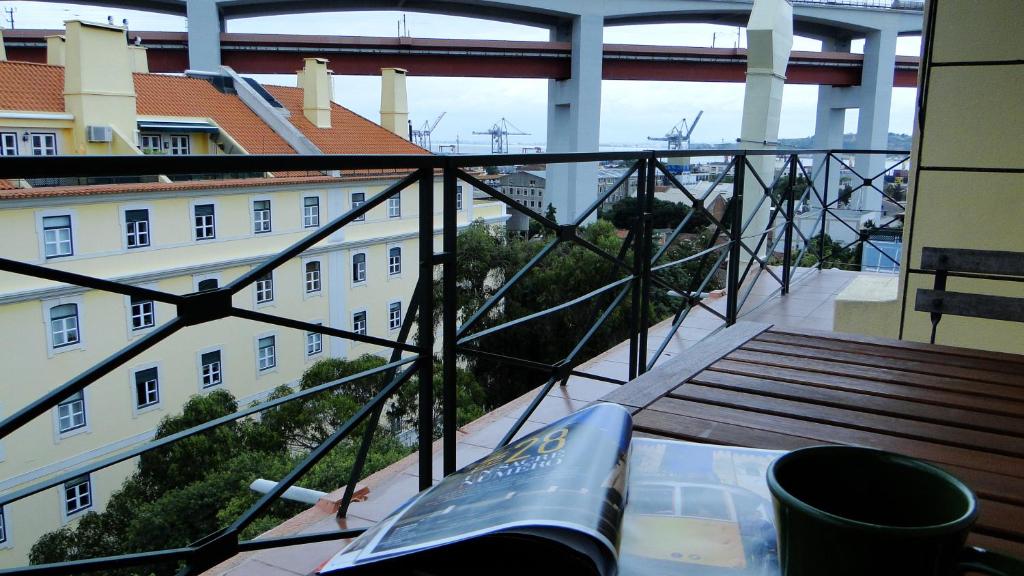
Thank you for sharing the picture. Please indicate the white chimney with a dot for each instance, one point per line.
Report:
(315, 81)
(55, 50)
(394, 102)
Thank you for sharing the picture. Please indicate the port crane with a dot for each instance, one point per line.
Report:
(499, 134)
(422, 136)
(678, 137)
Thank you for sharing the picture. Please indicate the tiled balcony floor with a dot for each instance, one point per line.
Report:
(809, 305)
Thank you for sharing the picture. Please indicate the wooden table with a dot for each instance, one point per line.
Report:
(762, 387)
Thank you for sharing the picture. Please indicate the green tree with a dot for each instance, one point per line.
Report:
(834, 254)
(664, 214)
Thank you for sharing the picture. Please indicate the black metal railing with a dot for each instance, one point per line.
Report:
(729, 247)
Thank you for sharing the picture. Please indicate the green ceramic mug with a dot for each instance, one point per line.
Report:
(843, 510)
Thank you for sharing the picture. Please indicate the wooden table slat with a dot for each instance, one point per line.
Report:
(863, 402)
(999, 391)
(872, 349)
(853, 419)
(1002, 357)
(901, 364)
(832, 434)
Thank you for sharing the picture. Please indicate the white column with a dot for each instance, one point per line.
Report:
(830, 123)
(204, 28)
(574, 117)
(873, 121)
(770, 40)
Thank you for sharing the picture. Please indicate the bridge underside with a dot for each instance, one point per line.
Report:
(365, 56)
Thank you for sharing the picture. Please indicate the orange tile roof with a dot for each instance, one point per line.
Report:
(349, 133)
(160, 95)
(31, 87)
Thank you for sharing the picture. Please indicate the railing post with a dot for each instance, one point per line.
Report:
(645, 258)
(449, 306)
(787, 250)
(735, 237)
(425, 327)
(824, 213)
(636, 299)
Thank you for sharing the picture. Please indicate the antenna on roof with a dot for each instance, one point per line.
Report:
(138, 40)
(10, 16)
(110, 20)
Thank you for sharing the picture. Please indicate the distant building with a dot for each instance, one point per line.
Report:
(607, 177)
(527, 188)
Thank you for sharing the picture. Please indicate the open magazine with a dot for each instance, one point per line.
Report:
(579, 496)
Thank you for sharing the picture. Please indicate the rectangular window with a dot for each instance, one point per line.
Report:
(394, 315)
(136, 226)
(205, 223)
(77, 495)
(395, 206)
(458, 198)
(261, 216)
(180, 145)
(57, 236)
(312, 277)
(8, 144)
(314, 343)
(143, 315)
(359, 323)
(71, 413)
(359, 267)
(64, 325)
(394, 261)
(3, 526)
(44, 144)
(310, 212)
(267, 356)
(147, 388)
(151, 144)
(358, 199)
(210, 369)
(265, 288)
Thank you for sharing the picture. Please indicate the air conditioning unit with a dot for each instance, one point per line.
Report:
(100, 133)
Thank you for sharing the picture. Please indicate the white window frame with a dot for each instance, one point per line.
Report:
(192, 219)
(263, 289)
(137, 403)
(353, 203)
(261, 368)
(48, 306)
(5, 530)
(312, 285)
(261, 225)
(73, 225)
(395, 206)
(366, 323)
(146, 141)
(86, 425)
(45, 142)
(354, 271)
(202, 373)
(314, 341)
(131, 315)
(394, 324)
(311, 218)
(180, 144)
(458, 198)
(67, 515)
(128, 231)
(394, 267)
(9, 144)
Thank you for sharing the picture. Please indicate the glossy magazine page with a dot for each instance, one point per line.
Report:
(564, 479)
(698, 510)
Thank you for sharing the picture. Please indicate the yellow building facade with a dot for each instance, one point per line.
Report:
(180, 237)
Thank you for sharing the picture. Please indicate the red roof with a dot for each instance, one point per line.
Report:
(40, 88)
(33, 87)
(349, 133)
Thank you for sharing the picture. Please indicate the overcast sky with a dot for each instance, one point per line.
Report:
(630, 110)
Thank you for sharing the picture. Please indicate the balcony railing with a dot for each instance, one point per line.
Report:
(731, 248)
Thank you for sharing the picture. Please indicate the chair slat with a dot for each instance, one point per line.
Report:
(973, 261)
(973, 305)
